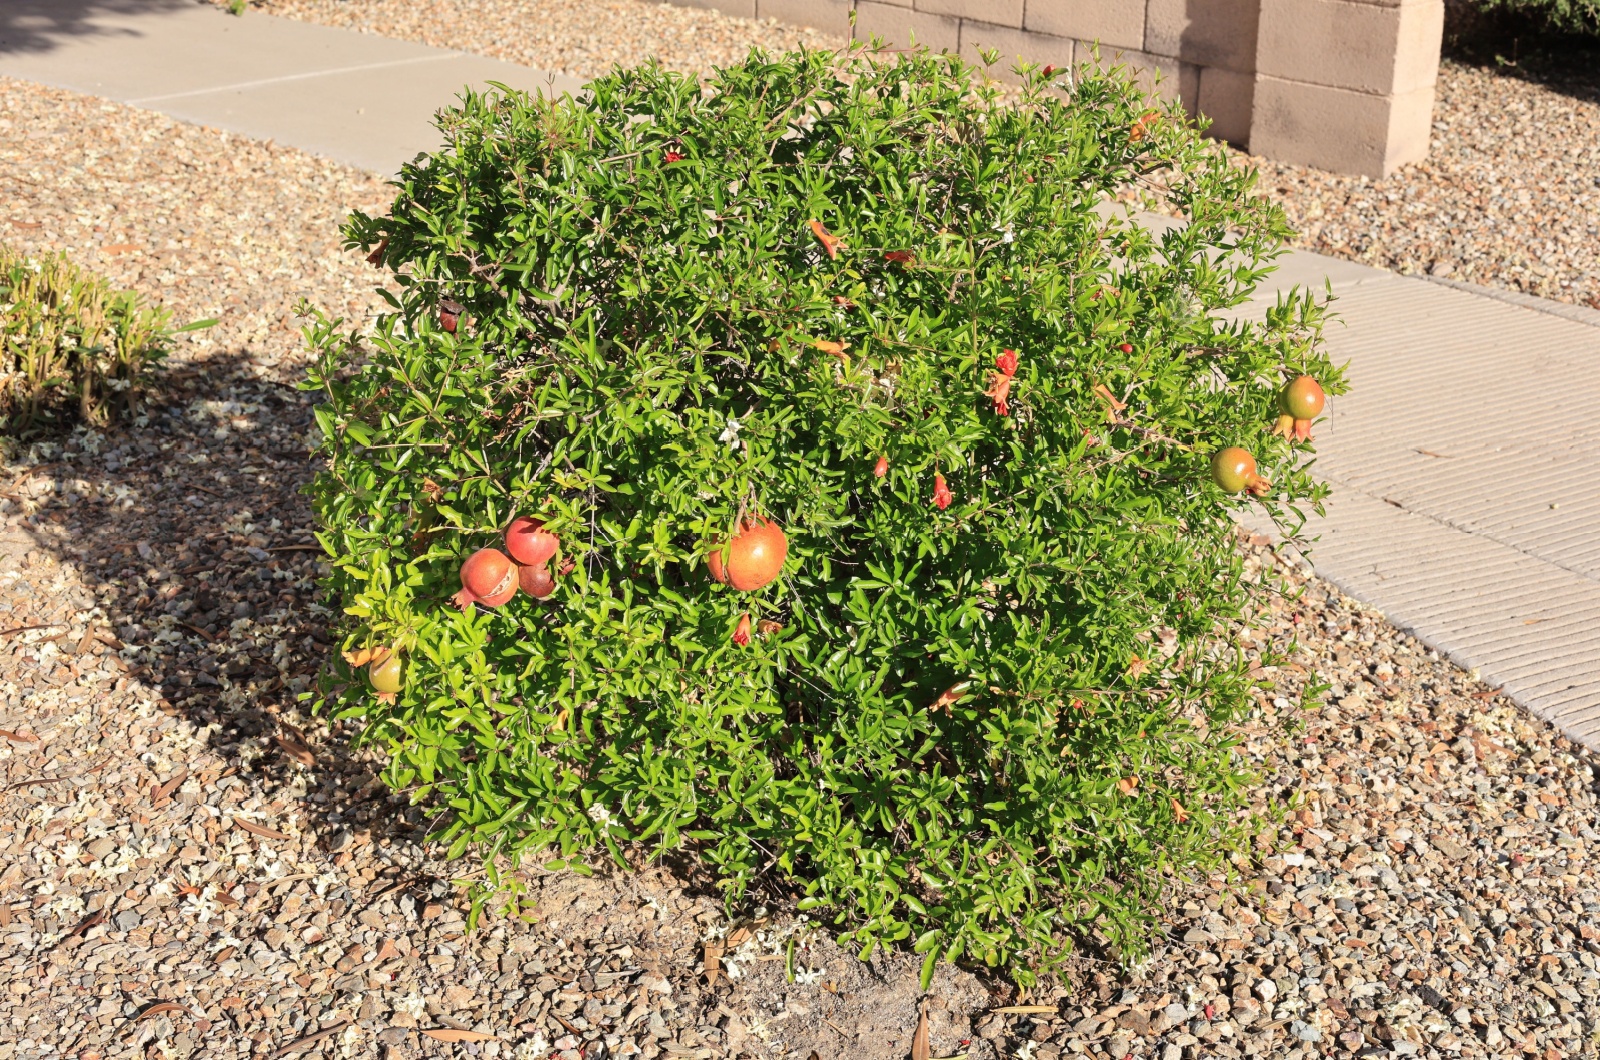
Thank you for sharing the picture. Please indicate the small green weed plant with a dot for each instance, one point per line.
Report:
(71, 346)
(879, 301)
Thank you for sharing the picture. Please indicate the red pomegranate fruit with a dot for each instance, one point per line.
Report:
(529, 543)
(882, 467)
(754, 557)
(537, 581)
(487, 578)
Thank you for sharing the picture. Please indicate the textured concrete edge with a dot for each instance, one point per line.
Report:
(1566, 310)
(1461, 657)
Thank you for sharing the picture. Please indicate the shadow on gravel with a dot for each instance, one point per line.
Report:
(1514, 46)
(34, 26)
(195, 538)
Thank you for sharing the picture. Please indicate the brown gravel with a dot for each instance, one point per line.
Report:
(191, 867)
(583, 38)
(1509, 195)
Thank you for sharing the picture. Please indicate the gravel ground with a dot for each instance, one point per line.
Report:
(583, 38)
(1508, 197)
(190, 866)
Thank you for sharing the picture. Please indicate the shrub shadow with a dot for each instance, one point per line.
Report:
(36, 26)
(194, 535)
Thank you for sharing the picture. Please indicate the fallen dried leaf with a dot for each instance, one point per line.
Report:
(919, 1041)
(163, 1006)
(292, 742)
(164, 791)
(20, 737)
(261, 830)
(1025, 1010)
(454, 1034)
(317, 1036)
(1127, 785)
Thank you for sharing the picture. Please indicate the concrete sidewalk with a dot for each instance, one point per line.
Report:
(1465, 462)
(354, 97)
(1465, 465)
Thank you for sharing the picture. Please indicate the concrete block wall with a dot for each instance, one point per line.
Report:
(1344, 85)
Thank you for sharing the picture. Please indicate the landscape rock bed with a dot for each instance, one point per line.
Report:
(191, 866)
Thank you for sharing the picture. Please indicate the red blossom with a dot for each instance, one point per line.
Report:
(672, 156)
(900, 257)
(741, 635)
(941, 493)
(1007, 362)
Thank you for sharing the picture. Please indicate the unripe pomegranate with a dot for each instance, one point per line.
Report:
(1233, 469)
(529, 543)
(386, 674)
(1304, 398)
(537, 582)
(487, 578)
(755, 556)
(1126, 347)
(882, 467)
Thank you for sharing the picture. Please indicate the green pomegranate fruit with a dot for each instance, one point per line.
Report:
(386, 675)
(1233, 469)
(1304, 398)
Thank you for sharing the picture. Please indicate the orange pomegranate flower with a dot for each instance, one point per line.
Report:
(941, 493)
(741, 635)
(830, 243)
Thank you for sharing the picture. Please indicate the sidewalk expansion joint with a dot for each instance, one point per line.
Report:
(309, 75)
(1449, 524)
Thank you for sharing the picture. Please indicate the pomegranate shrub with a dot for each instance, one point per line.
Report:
(871, 328)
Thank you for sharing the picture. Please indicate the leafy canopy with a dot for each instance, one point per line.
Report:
(977, 728)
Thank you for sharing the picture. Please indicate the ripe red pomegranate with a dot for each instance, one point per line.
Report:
(487, 578)
(1126, 347)
(755, 556)
(529, 543)
(537, 581)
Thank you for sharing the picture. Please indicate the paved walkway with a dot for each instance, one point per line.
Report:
(355, 97)
(1466, 461)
